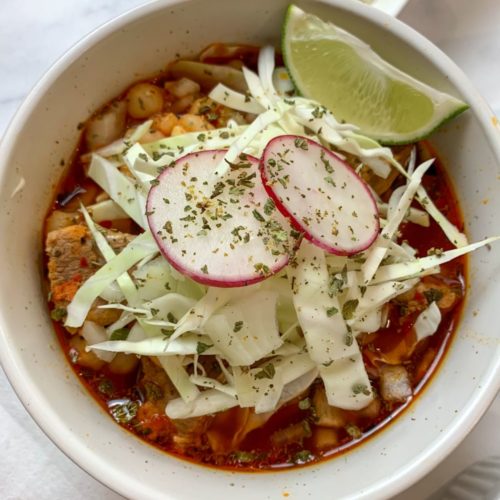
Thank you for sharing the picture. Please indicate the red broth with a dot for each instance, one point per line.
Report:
(296, 434)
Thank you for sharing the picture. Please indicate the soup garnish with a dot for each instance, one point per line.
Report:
(342, 72)
(243, 279)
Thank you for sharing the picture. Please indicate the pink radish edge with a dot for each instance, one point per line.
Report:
(203, 280)
(296, 223)
(200, 277)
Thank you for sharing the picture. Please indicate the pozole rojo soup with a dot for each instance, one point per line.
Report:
(196, 292)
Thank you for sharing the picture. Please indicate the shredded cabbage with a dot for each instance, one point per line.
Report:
(124, 320)
(428, 321)
(271, 340)
(187, 345)
(452, 233)
(330, 342)
(171, 148)
(235, 100)
(94, 333)
(379, 249)
(106, 210)
(420, 267)
(368, 322)
(206, 402)
(294, 379)
(198, 315)
(124, 281)
(180, 378)
(211, 383)
(112, 293)
(282, 82)
(414, 215)
(244, 140)
(261, 393)
(296, 387)
(120, 188)
(79, 307)
(377, 295)
(245, 330)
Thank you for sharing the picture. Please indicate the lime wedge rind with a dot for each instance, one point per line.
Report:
(342, 72)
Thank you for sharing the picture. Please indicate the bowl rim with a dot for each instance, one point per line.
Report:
(40, 409)
(392, 7)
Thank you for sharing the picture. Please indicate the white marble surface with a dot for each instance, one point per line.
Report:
(33, 34)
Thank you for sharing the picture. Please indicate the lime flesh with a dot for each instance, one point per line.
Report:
(342, 73)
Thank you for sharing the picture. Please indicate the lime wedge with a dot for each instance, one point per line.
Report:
(344, 74)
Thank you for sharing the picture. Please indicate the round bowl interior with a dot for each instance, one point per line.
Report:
(40, 140)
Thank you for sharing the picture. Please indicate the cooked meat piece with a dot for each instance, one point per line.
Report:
(294, 433)
(155, 384)
(59, 219)
(117, 240)
(158, 391)
(190, 431)
(395, 384)
(123, 364)
(154, 426)
(103, 317)
(212, 368)
(73, 258)
(230, 428)
(436, 288)
(324, 438)
(78, 354)
(327, 416)
(444, 291)
(370, 411)
(379, 184)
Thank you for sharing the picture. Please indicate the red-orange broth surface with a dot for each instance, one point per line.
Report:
(305, 430)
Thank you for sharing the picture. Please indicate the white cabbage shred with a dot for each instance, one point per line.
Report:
(428, 321)
(273, 339)
(330, 341)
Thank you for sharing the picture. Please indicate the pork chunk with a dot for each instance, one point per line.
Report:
(158, 391)
(395, 386)
(72, 259)
(157, 387)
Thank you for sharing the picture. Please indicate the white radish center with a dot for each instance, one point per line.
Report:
(229, 234)
(321, 194)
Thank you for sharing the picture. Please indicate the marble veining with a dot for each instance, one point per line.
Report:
(33, 34)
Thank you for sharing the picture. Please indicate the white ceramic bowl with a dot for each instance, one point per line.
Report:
(392, 7)
(44, 132)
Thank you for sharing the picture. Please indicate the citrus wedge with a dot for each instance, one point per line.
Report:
(344, 74)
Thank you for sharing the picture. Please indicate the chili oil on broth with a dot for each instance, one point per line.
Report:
(291, 437)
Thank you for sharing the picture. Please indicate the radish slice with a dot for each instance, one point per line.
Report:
(228, 234)
(320, 194)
